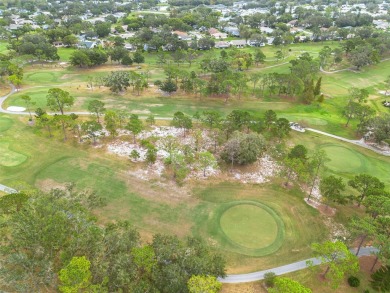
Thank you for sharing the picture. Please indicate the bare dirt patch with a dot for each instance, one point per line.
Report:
(366, 263)
(254, 287)
(49, 184)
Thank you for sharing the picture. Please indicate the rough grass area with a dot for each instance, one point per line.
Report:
(251, 227)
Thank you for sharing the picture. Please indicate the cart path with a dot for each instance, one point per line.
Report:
(293, 267)
(360, 142)
(7, 189)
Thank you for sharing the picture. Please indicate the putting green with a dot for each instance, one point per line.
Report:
(343, 159)
(10, 158)
(5, 124)
(249, 225)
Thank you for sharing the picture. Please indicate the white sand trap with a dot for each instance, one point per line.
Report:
(16, 109)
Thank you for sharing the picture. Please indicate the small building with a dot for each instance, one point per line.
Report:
(222, 45)
(58, 44)
(182, 35)
(87, 44)
(233, 31)
(238, 43)
(130, 47)
(219, 36)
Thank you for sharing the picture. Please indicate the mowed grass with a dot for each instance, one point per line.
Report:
(302, 224)
(249, 226)
(343, 159)
(328, 116)
(65, 53)
(347, 160)
(337, 84)
(8, 157)
(5, 123)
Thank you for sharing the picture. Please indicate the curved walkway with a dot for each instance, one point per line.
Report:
(293, 267)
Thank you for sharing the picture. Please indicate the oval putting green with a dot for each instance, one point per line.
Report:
(249, 227)
(343, 159)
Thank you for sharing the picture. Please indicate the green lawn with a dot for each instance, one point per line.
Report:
(327, 116)
(65, 53)
(5, 123)
(3, 47)
(371, 77)
(250, 227)
(302, 224)
(347, 160)
(10, 158)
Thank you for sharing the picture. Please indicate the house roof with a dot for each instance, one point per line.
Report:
(238, 42)
(213, 31)
(222, 44)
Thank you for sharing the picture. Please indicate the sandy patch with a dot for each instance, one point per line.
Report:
(265, 168)
(153, 171)
(16, 109)
(49, 184)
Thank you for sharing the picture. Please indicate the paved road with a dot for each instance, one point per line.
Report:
(296, 266)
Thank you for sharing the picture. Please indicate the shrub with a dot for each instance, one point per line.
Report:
(353, 281)
(158, 83)
(269, 279)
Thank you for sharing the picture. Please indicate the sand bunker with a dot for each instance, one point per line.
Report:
(16, 109)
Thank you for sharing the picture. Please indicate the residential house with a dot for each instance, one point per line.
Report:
(182, 35)
(238, 43)
(84, 44)
(130, 47)
(233, 31)
(58, 44)
(222, 45)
